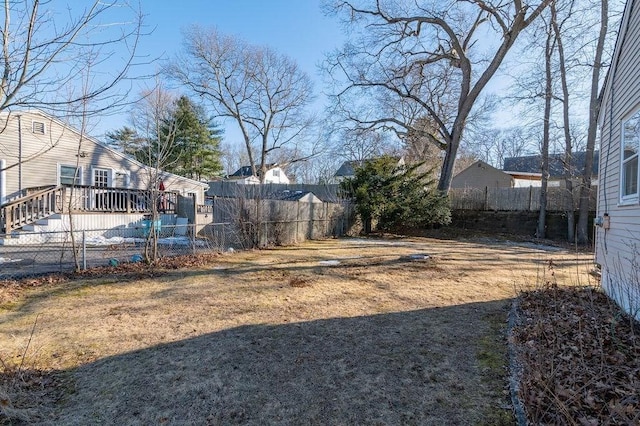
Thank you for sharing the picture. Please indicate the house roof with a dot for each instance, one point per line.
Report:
(87, 138)
(533, 164)
(245, 171)
(482, 164)
(348, 168)
(287, 195)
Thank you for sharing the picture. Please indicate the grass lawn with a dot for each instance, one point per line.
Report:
(350, 331)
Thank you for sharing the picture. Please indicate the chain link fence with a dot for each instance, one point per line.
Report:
(36, 253)
(28, 253)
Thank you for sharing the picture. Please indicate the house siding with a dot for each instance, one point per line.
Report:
(42, 154)
(618, 248)
(481, 175)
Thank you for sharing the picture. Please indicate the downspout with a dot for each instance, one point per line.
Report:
(19, 154)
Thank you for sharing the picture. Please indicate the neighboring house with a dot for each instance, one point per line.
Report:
(525, 180)
(244, 175)
(532, 165)
(39, 151)
(618, 212)
(482, 175)
(348, 168)
(301, 196)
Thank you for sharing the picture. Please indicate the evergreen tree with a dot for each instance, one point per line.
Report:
(127, 141)
(396, 197)
(195, 142)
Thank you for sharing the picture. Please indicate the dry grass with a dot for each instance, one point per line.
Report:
(276, 336)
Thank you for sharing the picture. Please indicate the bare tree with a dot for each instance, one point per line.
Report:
(413, 61)
(546, 132)
(558, 26)
(47, 55)
(154, 120)
(264, 92)
(44, 53)
(594, 110)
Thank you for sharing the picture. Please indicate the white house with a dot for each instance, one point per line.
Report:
(618, 211)
(275, 174)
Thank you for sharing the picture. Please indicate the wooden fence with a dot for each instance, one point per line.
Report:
(516, 199)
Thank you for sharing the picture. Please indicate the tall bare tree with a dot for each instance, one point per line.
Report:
(44, 52)
(264, 92)
(73, 63)
(546, 129)
(582, 234)
(421, 59)
(559, 28)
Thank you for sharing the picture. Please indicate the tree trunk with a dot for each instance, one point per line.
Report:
(594, 110)
(541, 231)
(568, 145)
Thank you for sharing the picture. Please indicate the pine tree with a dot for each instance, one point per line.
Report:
(195, 151)
(126, 140)
(396, 197)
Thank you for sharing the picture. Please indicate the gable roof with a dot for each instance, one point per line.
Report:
(245, 171)
(480, 164)
(287, 195)
(533, 164)
(348, 168)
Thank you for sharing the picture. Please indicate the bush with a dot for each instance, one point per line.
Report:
(396, 196)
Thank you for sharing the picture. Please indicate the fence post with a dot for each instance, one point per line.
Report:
(193, 230)
(486, 198)
(297, 220)
(84, 250)
(530, 197)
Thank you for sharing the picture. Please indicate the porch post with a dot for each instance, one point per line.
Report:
(3, 182)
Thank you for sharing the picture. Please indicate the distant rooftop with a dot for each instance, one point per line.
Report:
(533, 164)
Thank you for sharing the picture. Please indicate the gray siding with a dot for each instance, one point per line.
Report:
(481, 175)
(618, 248)
(61, 145)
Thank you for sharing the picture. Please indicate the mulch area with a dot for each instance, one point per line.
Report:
(579, 358)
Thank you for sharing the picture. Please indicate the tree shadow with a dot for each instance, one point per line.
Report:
(416, 367)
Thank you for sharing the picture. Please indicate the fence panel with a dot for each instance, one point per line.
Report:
(516, 199)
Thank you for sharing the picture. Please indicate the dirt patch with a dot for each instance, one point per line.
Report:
(274, 337)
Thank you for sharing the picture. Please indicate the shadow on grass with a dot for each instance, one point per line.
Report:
(430, 366)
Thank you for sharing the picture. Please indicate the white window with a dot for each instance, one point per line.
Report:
(38, 127)
(629, 160)
(101, 177)
(70, 175)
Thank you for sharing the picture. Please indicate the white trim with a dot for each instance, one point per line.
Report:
(110, 174)
(633, 197)
(80, 172)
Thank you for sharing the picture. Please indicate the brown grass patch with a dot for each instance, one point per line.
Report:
(275, 336)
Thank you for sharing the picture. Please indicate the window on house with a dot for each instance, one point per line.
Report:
(69, 175)
(101, 178)
(629, 162)
(276, 173)
(38, 127)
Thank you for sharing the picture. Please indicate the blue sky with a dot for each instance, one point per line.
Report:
(296, 28)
